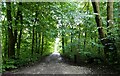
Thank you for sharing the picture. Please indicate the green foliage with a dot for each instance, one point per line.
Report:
(42, 22)
(85, 37)
(9, 64)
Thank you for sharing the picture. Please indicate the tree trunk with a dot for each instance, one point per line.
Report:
(42, 47)
(110, 44)
(36, 48)
(119, 18)
(33, 32)
(6, 46)
(11, 41)
(63, 49)
(96, 9)
(79, 39)
(109, 14)
(19, 42)
(98, 20)
(85, 40)
(20, 34)
(71, 39)
(107, 43)
(39, 42)
(36, 15)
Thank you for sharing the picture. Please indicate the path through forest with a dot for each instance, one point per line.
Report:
(55, 64)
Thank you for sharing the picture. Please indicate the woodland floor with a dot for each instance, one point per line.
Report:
(55, 64)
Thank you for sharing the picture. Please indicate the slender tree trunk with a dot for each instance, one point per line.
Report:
(119, 18)
(11, 42)
(42, 46)
(6, 46)
(107, 43)
(33, 32)
(98, 20)
(18, 17)
(71, 38)
(36, 15)
(96, 9)
(85, 41)
(39, 42)
(79, 39)
(36, 48)
(109, 16)
(12, 34)
(111, 41)
(20, 34)
(19, 42)
(63, 49)
(65, 41)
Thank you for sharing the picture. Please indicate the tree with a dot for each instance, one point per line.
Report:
(107, 43)
(111, 41)
(21, 28)
(11, 35)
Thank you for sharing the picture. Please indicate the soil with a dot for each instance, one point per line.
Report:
(55, 64)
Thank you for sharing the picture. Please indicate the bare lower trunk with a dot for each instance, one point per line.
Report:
(42, 47)
(39, 42)
(18, 44)
(71, 41)
(33, 31)
(63, 49)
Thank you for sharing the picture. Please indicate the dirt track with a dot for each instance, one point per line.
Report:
(54, 64)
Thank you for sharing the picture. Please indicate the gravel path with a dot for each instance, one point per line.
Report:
(54, 64)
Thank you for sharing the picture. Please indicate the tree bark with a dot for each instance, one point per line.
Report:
(63, 49)
(71, 39)
(36, 15)
(18, 43)
(33, 32)
(109, 15)
(36, 48)
(39, 42)
(98, 20)
(42, 47)
(111, 41)
(119, 18)
(6, 46)
(85, 40)
(11, 41)
(20, 34)
(96, 9)
(107, 43)
(79, 30)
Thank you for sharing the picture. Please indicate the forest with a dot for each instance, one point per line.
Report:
(86, 32)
